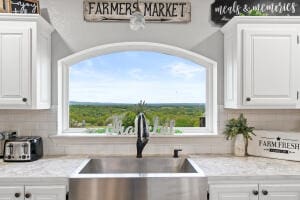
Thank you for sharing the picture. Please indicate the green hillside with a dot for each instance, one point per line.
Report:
(100, 114)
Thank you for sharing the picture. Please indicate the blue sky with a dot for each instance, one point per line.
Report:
(131, 76)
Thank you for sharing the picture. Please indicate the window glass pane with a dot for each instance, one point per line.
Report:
(104, 92)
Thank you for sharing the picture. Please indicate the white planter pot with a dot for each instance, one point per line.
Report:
(240, 145)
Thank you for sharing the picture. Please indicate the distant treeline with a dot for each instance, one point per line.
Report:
(89, 114)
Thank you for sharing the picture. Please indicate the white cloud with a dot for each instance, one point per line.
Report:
(88, 73)
(133, 91)
(136, 73)
(183, 70)
(90, 84)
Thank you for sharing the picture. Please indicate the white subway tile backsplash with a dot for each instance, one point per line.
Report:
(50, 126)
(44, 124)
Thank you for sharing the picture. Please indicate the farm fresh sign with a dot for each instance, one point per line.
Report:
(154, 11)
(275, 145)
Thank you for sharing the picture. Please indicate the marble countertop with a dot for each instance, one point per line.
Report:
(220, 166)
(47, 167)
(212, 166)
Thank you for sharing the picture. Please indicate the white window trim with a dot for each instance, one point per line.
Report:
(63, 78)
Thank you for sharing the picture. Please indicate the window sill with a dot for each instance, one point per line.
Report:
(84, 139)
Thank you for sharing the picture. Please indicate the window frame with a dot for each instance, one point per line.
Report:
(65, 63)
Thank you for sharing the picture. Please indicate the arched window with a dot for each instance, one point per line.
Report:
(102, 90)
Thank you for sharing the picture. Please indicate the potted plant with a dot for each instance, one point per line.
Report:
(239, 130)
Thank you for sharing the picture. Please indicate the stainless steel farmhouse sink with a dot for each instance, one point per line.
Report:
(123, 165)
(129, 178)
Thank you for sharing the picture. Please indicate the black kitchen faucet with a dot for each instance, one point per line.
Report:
(142, 134)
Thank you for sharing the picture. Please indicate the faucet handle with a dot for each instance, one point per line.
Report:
(176, 151)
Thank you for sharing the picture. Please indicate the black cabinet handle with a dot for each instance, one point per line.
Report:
(248, 99)
(17, 195)
(24, 99)
(27, 195)
(264, 192)
(255, 192)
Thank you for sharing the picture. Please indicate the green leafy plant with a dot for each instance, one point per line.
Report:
(98, 130)
(254, 13)
(178, 131)
(238, 126)
(128, 119)
(141, 107)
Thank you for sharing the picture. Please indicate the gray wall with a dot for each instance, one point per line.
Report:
(73, 34)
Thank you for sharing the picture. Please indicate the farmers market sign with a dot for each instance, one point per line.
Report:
(154, 11)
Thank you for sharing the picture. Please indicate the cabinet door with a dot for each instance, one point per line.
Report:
(269, 64)
(280, 192)
(45, 192)
(234, 192)
(15, 66)
(12, 193)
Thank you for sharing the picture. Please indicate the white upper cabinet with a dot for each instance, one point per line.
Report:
(25, 62)
(261, 55)
(15, 65)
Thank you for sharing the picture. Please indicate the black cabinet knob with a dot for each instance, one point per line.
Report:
(248, 99)
(255, 192)
(27, 195)
(24, 99)
(17, 195)
(264, 192)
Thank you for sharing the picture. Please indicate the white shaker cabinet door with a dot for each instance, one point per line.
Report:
(45, 192)
(15, 66)
(11, 192)
(280, 192)
(234, 192)
(269, 60)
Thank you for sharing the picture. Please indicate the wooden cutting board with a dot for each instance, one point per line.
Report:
(275, 144)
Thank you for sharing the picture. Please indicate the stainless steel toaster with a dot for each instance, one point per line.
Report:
(5, 135)
(23, 149)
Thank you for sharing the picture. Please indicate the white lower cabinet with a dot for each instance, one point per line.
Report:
(233, 192)
(254, 192)
(56, 192)
(11, 192)
(45, 192)
(280, 191)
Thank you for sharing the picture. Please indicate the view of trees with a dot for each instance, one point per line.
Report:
(175, 86)
(94, 115)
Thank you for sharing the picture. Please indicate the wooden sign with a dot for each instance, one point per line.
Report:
(275, 144)
(154, 11)
(223, 10)
(4, 6)
(24, 6)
